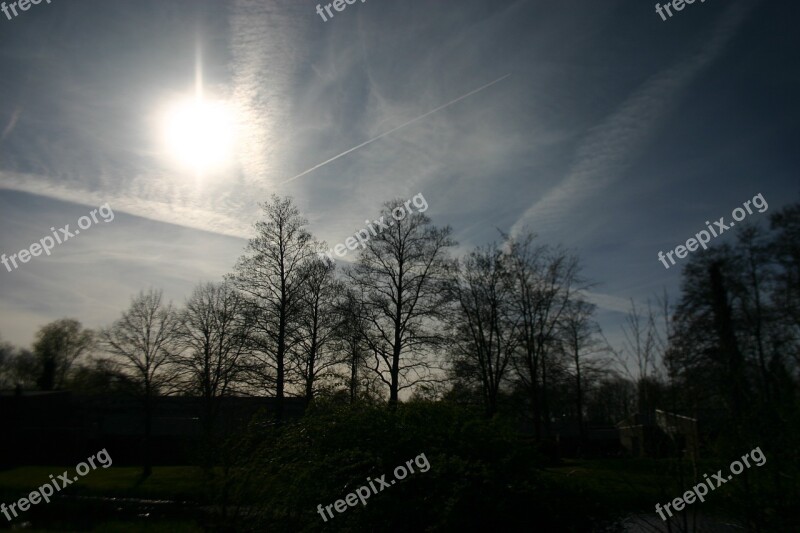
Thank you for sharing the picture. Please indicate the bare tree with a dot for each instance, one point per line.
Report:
(214, 333)
(582, 342)
(144, 340)
(273, 274)
(313, 356)
(546, 280)
(644, 347)
(403, 272)
(487, 329)
(351, 335)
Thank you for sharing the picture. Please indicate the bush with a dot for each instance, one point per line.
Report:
(481, 475)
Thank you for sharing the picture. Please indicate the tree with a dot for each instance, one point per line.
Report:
(546, 280)
(643, 343)
(273, 273)
(351, 336)
(611, 400)
(101, 377)
(214, 334)
(752, 292)
(732, 343)
(692, 357)
(403, 273)
(57, 346)
(784, 248)
(487, 329)
(579, 335)
(6, 355)
(17, 367)
(312, 356)
(22, 369)
(144, 341)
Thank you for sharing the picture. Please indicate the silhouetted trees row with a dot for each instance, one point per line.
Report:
(508, 323)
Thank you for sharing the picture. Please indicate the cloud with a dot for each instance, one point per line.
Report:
(157, 198)
(607, 301)
(612, 146)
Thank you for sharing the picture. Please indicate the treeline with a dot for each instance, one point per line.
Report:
(506, 327)
(406, 318)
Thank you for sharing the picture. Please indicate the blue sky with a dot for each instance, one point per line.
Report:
(598, 125)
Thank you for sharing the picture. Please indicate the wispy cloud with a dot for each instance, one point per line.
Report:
(612, 146)
(608, 302)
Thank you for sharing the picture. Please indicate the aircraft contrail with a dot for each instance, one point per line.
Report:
(334, 158)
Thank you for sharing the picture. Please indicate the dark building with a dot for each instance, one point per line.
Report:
(41, 428)
(599, 441)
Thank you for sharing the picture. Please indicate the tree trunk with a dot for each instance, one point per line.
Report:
(533, 370)
(147, 467)
(731, 357)
(579, 398)
(354, 371)
(280, 357)
(310, 379)
(393, 390)
(545, 407)
(395, 372)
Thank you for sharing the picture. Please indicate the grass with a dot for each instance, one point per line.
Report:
(632, 481)
(166, 482)
(636, 482)
(158, 527)
(151, 527)
(176, 483)
(619, 485)
(633, 484)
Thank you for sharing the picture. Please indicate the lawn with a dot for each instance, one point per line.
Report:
(633, 484)
(97, 512)
(166, 482)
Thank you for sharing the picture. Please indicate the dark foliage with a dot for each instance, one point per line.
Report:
(481, 475)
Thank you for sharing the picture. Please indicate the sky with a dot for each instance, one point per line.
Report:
(597, 125)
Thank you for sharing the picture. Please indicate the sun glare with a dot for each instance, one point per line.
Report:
(199, 133)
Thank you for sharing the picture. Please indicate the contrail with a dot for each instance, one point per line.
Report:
(353, 149)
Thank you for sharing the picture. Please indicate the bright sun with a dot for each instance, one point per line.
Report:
(200, 133)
